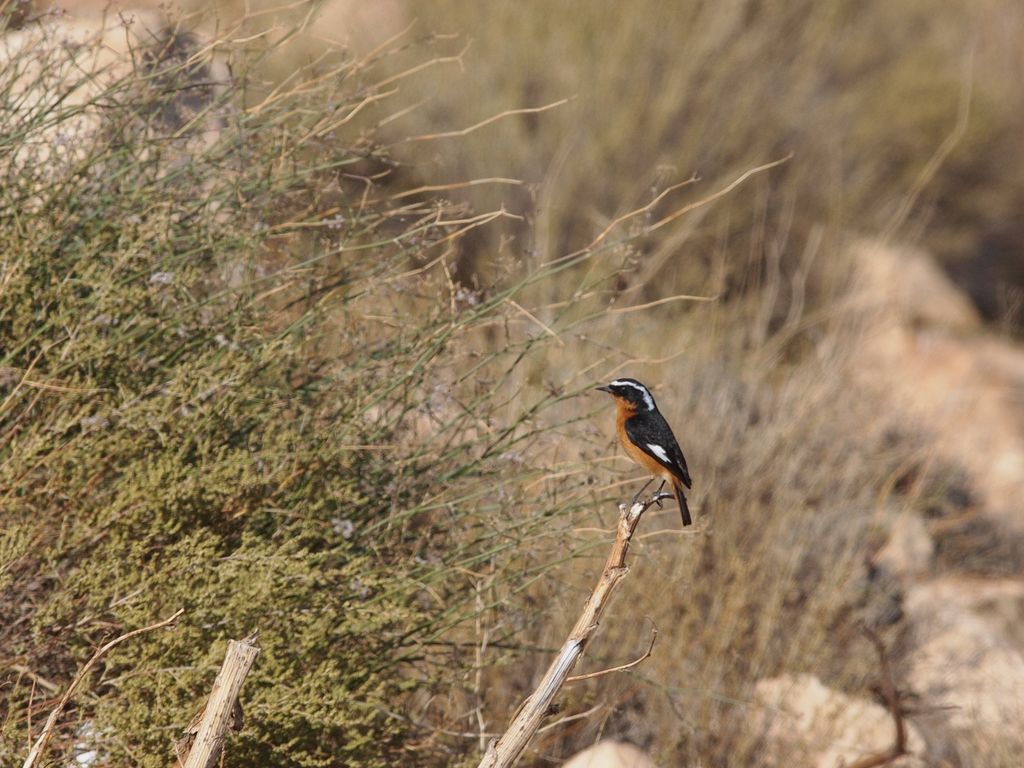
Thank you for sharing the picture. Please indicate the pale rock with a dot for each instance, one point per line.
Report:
(610, 754)
(909, 551)
(906, 281)
(63, 66)
(922, 347)
(358, 26)
(967, 650)
(808, 722)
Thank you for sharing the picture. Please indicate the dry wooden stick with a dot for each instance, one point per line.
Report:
(222, 709)
(507, 750)
(36, 754)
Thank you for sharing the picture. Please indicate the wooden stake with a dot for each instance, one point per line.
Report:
(222, 709)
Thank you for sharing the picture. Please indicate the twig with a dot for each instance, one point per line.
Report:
(484, 634)
(473, 735)
(455, 185)
(222, 709)
(582, 252)
(572, 718)
(489, 120)
(457, 58)
(621, 667)
(35, 755)
(892, 698)
(939, 157)
(720, 193)
(42, 682)
(537, 320)
(604, 233)
(666, 300)
(506, 751)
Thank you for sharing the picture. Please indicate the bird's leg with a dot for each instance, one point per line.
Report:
(657, 494)
(641, 492)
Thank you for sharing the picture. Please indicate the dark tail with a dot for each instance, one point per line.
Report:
(681, 498)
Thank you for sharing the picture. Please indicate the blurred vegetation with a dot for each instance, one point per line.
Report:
(796, 461)
(863, 95)
(288, 376)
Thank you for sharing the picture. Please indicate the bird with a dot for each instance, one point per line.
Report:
(648, 439)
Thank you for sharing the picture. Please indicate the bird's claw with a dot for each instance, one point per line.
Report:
(654, 498)
(657, 498)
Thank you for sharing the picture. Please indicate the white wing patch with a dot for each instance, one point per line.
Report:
(658, 451)
(644, 392)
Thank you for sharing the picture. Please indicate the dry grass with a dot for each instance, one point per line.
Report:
(794, 464)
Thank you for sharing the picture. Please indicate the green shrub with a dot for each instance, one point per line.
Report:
(227, 386)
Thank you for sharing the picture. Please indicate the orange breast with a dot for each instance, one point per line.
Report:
(623, 412)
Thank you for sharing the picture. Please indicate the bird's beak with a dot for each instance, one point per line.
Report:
(604, 389)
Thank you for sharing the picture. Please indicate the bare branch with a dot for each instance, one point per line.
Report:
(720, 193)
(506, 751)
(939, 157)
(457, 58)
(572, 718)
(658, 302)
(621, 667)
(35, 755)
(692, 180)
(489, 120)
(672, 216)
(537, 320)
(892, 698)
(457, 185)
(42, 682)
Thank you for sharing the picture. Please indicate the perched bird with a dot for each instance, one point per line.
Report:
(647, 438)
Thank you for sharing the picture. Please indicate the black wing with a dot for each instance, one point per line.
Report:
(651, 434)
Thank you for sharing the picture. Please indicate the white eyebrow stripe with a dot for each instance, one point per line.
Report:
(648, 400)
(658, 451)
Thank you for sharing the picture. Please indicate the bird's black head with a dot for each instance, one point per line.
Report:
(632, 392)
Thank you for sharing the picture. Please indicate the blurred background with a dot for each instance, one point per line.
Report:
(299, 321)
